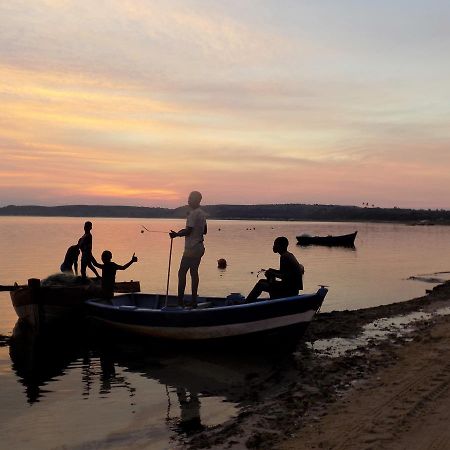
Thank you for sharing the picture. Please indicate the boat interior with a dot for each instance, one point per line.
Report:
(158, 301)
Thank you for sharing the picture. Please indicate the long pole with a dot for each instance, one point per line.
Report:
(168, 270)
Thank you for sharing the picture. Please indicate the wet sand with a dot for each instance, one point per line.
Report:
(389, 392)
(406, 406)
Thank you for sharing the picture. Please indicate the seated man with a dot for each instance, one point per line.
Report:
(285, 282)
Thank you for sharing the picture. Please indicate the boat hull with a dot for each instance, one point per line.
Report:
(346, 240)
(216, 323)
(50, 304)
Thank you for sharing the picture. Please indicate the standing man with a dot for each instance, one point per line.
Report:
(85, 245)
(194, 247)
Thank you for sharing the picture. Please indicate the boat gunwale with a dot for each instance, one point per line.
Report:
(177, 310)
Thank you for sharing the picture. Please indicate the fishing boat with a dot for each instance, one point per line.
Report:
(214, 318)
(345, 240)
(40, 304)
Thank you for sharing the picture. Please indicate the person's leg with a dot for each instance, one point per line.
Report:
(195, 263)
(182, 271)
(91, 266)
(260, 287)
(84, 264)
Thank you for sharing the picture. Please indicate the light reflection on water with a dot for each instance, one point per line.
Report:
(375, 272)
(67, 391)
(373, 333)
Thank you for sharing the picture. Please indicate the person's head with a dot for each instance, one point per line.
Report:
(280, 244)
(87, 226)
(194, 199)
(106, 256)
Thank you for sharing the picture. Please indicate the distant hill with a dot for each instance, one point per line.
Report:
(86, 211)
(252, 212)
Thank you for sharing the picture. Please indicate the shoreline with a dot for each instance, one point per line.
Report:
(248, 219)
(314, 399)
(359, 379)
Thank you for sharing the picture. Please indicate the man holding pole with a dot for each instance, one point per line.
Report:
(194, 247)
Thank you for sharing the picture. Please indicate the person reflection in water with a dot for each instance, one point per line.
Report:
(71, 259)
(285, 282)
(85, 245)
(190, 421)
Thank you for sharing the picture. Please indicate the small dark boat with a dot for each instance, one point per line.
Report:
(213, 319)
(345, 240)
(38, 305)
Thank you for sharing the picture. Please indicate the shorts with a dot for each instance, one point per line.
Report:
(278, 289)
(191, 261)
(197, 251)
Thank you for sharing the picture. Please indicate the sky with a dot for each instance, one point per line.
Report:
(138, 102)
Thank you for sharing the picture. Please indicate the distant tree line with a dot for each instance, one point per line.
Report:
(252, 212)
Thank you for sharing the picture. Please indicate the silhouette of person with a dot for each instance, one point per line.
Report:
(85, 244)
(109, 269)
(71, 259)
(194, 247)
(285, 282)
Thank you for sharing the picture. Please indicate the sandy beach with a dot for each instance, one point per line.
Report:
(390, 391)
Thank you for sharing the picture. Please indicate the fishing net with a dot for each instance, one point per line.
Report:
(62, 279)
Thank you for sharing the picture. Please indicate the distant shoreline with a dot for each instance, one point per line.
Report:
(279, 212)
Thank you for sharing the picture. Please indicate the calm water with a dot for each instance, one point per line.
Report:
(63, 394)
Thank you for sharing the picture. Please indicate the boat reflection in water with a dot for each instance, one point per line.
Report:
(149, 394)
(39, 359)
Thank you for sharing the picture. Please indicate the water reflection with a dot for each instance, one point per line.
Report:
(39, 359)
(185, 392)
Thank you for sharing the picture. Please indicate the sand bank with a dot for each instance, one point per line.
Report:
(385, 388)
(404, 406)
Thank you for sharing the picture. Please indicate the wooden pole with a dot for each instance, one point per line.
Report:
(168, 271)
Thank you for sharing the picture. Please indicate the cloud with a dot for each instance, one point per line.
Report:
(140, 101)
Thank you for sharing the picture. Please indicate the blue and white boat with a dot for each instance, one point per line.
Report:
(213, 319)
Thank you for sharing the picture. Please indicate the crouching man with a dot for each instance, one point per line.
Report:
(285, 282)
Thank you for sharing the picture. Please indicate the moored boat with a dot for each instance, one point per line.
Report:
(345, 240)
(38, 305)
(214, 319)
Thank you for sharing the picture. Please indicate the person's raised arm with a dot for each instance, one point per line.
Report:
(128, 264)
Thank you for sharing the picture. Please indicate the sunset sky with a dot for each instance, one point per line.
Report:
(249, 101)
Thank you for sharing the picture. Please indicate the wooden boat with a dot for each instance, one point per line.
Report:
(40, 305)
(345, 240)
(213, 319)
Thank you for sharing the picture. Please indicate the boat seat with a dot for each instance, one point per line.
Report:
(204, 305)
(121, 301)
